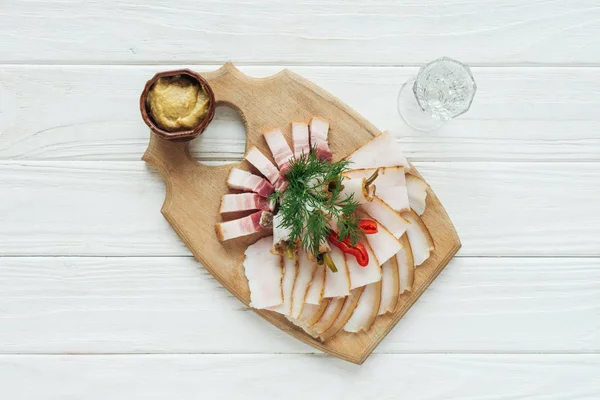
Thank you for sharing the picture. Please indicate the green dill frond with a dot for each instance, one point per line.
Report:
(313, 198)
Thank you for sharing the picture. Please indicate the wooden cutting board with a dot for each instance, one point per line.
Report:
(193, 192)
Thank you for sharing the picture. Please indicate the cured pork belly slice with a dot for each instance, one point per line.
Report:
(390, 183)
(280, 235)
(329, 316)
(314, 295)
(390, 287)
(419, 237)
(290, 271)
(301, 139)
(264, 272)
(383, 243)
(366, 311)
(280, 149)
(239, 179)
(259, 221)
(255, 157)
(319, 133)
(417, 193)
(344, 315)
(381, 151)
(406, 265)
(306, 271)
(386, 216)
(362, 276)
(337, 284)
(243, 202)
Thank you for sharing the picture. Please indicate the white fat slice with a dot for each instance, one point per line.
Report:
(390, 183)
(290, 270)
(362, 276)
(301, 139)
(386, 176)
(386, 216)
(239, 179)
(417, 193)
(383, 243)
(265, 167)
(344, 315)
(312, 313)
(319, 133)
(329, 316)
(253, 223)
(282, 154)
(395, 196)
(366, 311)
(420, 239)
(280, 235)
(243, 202)
(390, 287)
(382, 151)
(406, 265)
(306, 271)
(317, 286)
(264, 272)
(337, 284)
(357, 189)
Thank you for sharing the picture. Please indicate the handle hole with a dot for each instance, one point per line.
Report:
(223, 141)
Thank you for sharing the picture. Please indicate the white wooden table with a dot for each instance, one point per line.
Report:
(100, 300)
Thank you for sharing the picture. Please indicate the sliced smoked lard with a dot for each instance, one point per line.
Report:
(301, 139)
(265, 167)
(239, 179)
(319, 134)
(390, 183)
(256, 222)
(243, 202)
(417, 193)
(390, 287)
(290, 272)
(264, 272)
(280, 149)
(381, 151)
(367, 309)
(419, 237)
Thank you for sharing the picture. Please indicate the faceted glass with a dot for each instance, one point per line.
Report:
(442, 90)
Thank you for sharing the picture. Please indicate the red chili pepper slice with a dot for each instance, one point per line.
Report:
(368, 226)
(358, 251)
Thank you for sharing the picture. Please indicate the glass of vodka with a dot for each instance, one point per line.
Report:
(442, 90)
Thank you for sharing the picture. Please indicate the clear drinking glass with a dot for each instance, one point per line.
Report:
(442, 90)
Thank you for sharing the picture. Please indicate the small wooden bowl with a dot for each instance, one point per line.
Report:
(180, 136)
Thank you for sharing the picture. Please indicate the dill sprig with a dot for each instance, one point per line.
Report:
(312, 199)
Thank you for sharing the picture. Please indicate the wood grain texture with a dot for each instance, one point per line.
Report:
(90, 113)
(510, 377)
(95, 305)
(110, 208)
(303, 32)
(194, 191)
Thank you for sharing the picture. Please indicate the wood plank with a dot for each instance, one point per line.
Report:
(113, 208)
(501, 377)
(307, 31)
(172, 305)
(91, 113)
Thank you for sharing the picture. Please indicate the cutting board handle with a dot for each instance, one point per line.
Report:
(246, 95)
(230, 87)
(171, 158)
